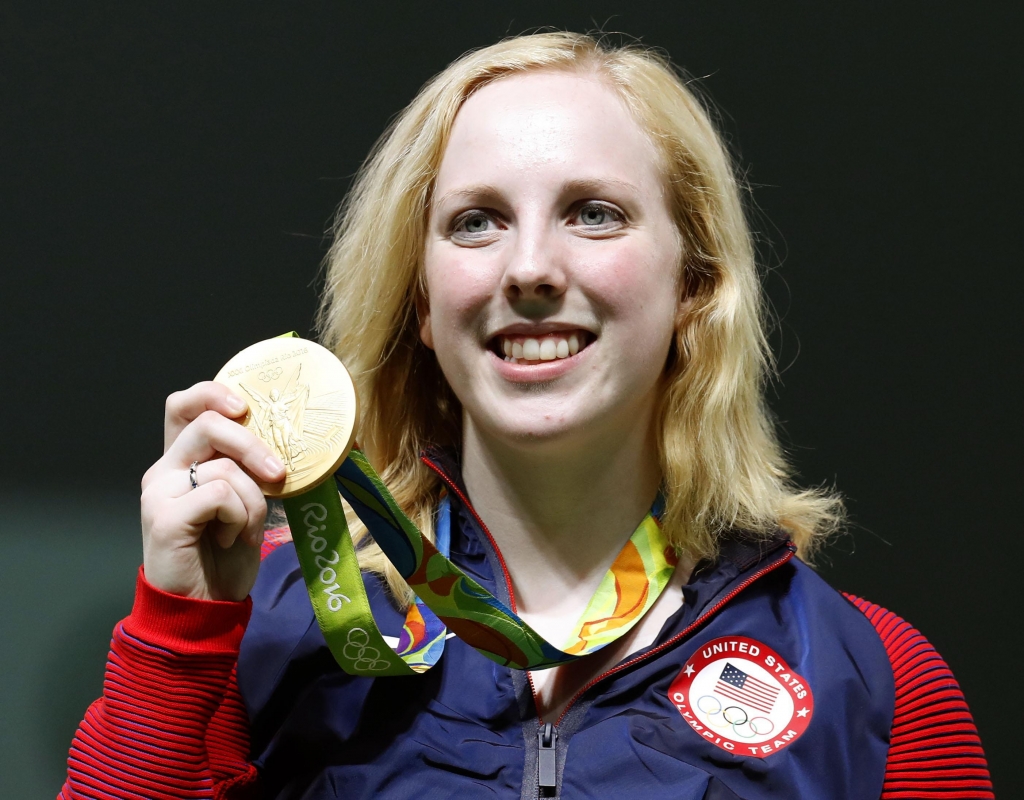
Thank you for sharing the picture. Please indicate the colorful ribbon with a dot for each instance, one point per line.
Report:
(447, 598)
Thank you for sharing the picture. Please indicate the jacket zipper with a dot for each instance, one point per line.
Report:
(547, 761)
(548, 734)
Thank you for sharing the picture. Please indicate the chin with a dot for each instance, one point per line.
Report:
(538, 429)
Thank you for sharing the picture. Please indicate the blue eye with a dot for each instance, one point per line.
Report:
(596, 215)
(473, 223)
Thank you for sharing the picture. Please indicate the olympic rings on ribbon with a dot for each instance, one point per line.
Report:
(359, 652)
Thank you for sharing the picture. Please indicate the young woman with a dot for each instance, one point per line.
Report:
(544, 287)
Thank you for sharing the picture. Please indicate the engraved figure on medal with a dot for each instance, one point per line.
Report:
(301, 403)
(279, 422)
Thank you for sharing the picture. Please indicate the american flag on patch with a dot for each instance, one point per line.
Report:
(738, 685)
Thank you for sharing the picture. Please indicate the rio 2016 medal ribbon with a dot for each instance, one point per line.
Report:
(301, 402)
(307, 414)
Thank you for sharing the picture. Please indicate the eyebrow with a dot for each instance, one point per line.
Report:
(594, 185)
(479, 190)
(581, 186)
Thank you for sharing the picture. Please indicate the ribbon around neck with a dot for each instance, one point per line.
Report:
(446, 598)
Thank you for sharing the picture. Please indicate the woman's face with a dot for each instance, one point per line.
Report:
(551, 261)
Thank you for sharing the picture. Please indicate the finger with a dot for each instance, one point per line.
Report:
(218, 502)
(176, 483)
(211, 433)
(183, 407)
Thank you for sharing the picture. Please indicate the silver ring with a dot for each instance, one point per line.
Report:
(192, 475)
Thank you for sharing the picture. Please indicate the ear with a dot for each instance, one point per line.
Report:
(688, 296)
(683, 309)
(423, 315)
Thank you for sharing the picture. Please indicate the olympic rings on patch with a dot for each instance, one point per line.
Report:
(771, 726)
(735, 717)
(735, 722)
(707, 711)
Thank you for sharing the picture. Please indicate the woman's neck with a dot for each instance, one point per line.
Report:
(561, 512)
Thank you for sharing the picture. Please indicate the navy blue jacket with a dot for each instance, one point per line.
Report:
(468, 728)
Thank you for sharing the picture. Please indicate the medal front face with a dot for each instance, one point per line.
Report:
(302, 403)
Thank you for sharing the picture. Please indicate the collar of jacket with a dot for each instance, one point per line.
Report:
(741, 553)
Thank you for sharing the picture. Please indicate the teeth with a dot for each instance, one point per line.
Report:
(547, 348)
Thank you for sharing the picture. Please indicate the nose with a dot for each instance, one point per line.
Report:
(535, 277)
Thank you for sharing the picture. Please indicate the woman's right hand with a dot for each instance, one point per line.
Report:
(205, 542)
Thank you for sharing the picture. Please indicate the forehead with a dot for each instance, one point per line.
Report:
(550, 125)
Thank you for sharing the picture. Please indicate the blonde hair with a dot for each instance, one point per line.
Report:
(721, 461)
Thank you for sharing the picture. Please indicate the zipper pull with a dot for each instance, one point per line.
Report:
(546, 766)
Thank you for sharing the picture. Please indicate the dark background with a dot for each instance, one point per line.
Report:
(167, 172)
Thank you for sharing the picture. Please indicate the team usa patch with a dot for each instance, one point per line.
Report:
(742, 697)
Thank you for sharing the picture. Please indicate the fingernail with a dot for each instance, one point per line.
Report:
(275, 465)
(236, 404)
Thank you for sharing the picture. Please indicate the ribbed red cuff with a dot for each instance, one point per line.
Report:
(186, 625)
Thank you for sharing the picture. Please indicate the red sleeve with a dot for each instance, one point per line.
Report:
(171, 722)
(934, 751)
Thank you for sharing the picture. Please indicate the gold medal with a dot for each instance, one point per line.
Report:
(302, 403)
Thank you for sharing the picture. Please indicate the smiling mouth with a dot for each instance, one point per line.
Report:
(517, 349)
